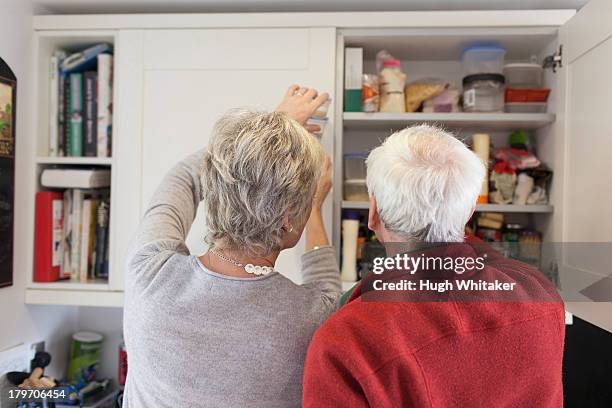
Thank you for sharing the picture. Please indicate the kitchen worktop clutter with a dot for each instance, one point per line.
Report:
(488, 85)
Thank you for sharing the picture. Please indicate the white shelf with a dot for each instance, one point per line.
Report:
(503, 208)
(93, 285)
(74, 297)
(511, 208)
(380, 120)
(91, 161)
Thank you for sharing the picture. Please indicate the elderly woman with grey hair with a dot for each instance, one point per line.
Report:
(224, 328)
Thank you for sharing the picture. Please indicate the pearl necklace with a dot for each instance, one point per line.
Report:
(248, 268)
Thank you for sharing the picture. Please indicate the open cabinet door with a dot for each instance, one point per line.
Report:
(169, 104)
(586, 86)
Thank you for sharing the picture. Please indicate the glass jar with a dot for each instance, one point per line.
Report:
(483, 93)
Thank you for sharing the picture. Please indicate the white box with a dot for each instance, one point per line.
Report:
(353, 68)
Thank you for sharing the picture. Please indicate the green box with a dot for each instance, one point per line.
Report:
(352, 100)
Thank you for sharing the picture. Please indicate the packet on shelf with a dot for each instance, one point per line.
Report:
(419, 91)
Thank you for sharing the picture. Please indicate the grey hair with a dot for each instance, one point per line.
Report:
(258, 167)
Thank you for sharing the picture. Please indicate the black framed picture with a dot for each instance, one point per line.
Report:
(8, 97)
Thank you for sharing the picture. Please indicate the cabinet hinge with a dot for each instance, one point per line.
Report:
(555, 60)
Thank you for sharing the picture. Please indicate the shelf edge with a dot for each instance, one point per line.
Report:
(73, 298)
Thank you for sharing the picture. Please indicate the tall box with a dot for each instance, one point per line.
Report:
(353, 74)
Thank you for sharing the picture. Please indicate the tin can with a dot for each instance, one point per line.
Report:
(85, 353)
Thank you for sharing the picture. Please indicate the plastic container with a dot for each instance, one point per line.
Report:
(392, 82)
(526, 107)
(355, 190)
(320, 118)
(355, 166)
(523, 75)
(527, 95)
(483, 93)
(487, 59)
(321, 111)
(370, 93)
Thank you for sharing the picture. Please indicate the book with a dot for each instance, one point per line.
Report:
(75, 125)
(75, 178)
(75, 253)
(64, 113)
(90, 114)
(66, 236)
(87, 238)
(48, 234)
(85, 59)
(101, 249)
(57, 96)
(54, 106)
(105, 104)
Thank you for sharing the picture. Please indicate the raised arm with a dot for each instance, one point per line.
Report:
(319, 263)
(168, 217)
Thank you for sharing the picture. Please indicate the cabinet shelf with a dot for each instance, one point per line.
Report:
(86, 161)
(501, 208)
(92, 293)
(381, 120)
(92, 285)
(74, 297)
(512, 208)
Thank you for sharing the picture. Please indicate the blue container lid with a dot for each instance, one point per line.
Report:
(351, 215)
(488, 48)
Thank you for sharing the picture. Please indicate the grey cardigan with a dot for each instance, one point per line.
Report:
(196, 338)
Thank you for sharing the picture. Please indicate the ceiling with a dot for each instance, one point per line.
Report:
(233, 6)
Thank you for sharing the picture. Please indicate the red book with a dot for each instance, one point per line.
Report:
(48, 241)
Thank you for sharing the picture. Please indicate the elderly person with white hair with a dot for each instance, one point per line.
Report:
(423, 185)
(225, 329)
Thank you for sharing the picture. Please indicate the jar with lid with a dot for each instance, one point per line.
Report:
(392, 82)
(483, 93)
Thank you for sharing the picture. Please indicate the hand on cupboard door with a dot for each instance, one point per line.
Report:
(301, 103)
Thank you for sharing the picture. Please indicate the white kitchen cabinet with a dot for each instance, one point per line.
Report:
(176, 74)
(184, 80)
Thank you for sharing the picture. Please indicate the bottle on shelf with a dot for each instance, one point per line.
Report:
(350, 234)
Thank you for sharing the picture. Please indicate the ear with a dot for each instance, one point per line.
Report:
(286, 223)
(373, 219)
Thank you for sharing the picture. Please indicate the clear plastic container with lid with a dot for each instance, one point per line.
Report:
(355, 190)
(355, 166)
(483, 59)
(523, 75)
(483, 93)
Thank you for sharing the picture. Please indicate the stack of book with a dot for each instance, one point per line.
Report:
(72, 225)
(81, 97)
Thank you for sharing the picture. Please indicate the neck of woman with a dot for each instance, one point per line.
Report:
(225, 261)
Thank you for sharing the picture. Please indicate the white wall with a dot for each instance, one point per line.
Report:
(20, 323)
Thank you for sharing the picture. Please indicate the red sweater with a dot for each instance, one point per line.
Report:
(440, 354)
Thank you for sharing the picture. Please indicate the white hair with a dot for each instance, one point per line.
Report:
(426, 183)
(258, 167)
